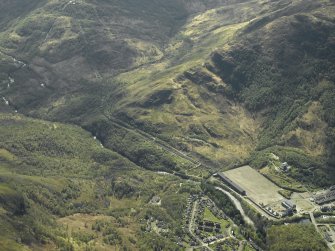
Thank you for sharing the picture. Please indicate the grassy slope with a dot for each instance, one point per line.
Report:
(198, 118)
(189, 82)
(286, 91)
(52, 170)
(213, 113)
(60, 52)
(221, 108)
(66, 44)
(289, 85)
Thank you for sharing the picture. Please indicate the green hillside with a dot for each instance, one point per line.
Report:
(290, 82)
(99, 100)
(50, 171)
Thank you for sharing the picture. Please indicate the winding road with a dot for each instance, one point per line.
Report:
(311, 215)
(238, 205)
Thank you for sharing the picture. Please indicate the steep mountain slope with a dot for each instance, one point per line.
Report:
(291, 81)
(210, 106)
(54, 69)
(227, 107)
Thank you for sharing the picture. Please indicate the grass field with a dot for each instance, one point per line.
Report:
(282, 179)
(248, 247)
(83, 227)
(208, 215)
(257, 187)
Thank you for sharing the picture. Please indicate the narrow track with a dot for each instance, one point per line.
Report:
(156, 140)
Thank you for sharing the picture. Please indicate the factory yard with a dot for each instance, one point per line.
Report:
(260, 192)
(257, 187)
(302, 200)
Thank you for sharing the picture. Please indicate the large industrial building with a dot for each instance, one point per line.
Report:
(232, 184)
(288, 204)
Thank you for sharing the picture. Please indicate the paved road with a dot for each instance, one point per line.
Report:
(221, 240)
(191, 227)
(260, 209)
(253, 205)
(194, 210)
(311, 215)
(238, 206)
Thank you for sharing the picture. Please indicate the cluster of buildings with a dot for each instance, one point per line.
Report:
(327, 233)
(325, 197)
(288, 205)
(205, 230)
(327, 208)
(155, 200)
(209, 226)
(160, 226)
(284, 167)
(187, 219)
(205, 202)
(213, 238)
(270, 211)
(289, 209)
(328, 237)
(187, 215)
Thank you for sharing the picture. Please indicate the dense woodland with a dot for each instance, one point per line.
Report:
(295, 237)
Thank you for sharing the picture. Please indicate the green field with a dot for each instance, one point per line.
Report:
(282, 179)
(208, 215)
